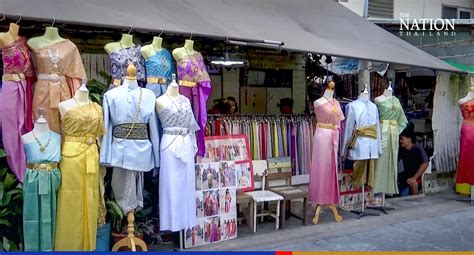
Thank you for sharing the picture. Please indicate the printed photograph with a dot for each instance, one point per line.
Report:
(212, 230)
(226, 148)
(195, 235)
(198, 170)
(199, 205)
(229, 227)
(228, 200)
(227, 174)
(210, 176)
(244, 176)
(211, 201)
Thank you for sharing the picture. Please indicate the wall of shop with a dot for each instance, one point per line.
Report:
(231, 85)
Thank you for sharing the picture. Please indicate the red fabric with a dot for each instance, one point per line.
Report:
(263, 142)
(218, 127)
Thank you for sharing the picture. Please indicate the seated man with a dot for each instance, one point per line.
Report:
(286, 105)
(415, 162)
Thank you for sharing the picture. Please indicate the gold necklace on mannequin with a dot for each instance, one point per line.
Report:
(42, 147)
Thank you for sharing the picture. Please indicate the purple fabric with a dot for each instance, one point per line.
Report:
(293, 142)
(192, 69)
(198, 96)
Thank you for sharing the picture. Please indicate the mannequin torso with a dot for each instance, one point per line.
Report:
(149, 50)
(172, 93)
(10, 36)
(81, 97)
(50, 37)
(327, 97)
(125, 42)
(41, 127)
(187, 49)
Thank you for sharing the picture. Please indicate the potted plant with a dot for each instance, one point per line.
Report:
(11, 208)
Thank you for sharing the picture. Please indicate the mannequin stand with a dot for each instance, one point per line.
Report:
(362, 212)
(130, 241)
(468, 200)
(320, 208)
(381, 208)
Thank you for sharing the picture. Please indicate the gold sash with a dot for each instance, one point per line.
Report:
(367, 131)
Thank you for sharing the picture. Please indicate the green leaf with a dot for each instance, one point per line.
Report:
(13, 246)
(3, 171)
(9, 181)
(2, 153)
(5, 222)
(5, 212)
(2, 190)
(6, 198)
(114, 209)
(6, 244)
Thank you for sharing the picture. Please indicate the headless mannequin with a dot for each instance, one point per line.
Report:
(151, 49)
(6, 39)
(327, 97)
(81, 97)
(50, 37)
(387, 94)
(41, 127)
(364, 95)
(187, 49)
(125, 42)
(172, 93)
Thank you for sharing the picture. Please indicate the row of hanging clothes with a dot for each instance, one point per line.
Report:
(270, 136)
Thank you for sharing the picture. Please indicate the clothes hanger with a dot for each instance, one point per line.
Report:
(19, 18)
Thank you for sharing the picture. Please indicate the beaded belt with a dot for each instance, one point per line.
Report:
(13, 77)
(88, 139)
(326, 125)
(137, 131)
(155, 80)
(42, 166)
(49, 77)
(390, 122)
(187, 83)
(181, 132)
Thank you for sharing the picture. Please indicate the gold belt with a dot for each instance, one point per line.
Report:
(390, 122)
(42, 166)
(326, 125)
(125, 131)
(13, 77)
(87, 139)
(187, 83)
(54, 77)
(155, 80)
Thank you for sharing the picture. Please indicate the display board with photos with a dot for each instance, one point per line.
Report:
(232, 148)
(216, 211)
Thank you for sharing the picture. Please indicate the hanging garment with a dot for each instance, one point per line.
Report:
(78, 197)
(159, 68)
(195, 84)
(393, 121)
(362, 131)
(119, 61)
(60, 73)
(466, 156)
(40, 187)
(364, 173)
(16, 100)
(177, 174)
(323, 180)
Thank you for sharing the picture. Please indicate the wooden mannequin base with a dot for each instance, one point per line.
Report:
(320, 208)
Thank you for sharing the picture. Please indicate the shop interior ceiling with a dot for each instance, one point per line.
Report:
(322, 26)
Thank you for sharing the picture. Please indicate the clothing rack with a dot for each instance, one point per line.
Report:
(270, 135)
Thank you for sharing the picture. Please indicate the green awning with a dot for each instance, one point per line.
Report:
(466, 68)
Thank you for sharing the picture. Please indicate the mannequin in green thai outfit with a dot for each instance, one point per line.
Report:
(125, 42)
(6, 39)
(50, 37)
(150, 49)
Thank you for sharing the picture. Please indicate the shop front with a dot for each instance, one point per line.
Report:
(183, 122)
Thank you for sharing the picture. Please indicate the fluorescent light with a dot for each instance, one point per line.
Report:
(226, 61)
